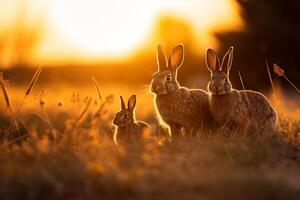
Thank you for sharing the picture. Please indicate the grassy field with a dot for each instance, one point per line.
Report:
(58, 145)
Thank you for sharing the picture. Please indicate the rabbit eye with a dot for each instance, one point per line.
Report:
(125, 115)
(168, 78)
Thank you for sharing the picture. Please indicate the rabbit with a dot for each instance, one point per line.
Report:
(244, 110)
(179, 107)
(128, 129)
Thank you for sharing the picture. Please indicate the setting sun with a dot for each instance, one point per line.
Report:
(106, 28)
(110, 29)
(60, 32)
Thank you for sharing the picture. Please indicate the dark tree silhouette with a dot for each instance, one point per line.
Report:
(272, 33)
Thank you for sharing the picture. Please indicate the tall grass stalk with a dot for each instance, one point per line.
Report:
(8, 103)
(47, 120)
(33, 80)
(83, 111)
(97, 87)
(270, 76)
(30, 86)
(280, 72)
(247, 99)
(242, 83)
(5, 93)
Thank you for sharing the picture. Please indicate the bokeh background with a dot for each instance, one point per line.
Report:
(115, 41)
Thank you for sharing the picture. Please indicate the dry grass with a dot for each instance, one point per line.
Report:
(87, 165)
(70, 154)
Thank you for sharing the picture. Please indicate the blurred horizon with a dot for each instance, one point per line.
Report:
(58, 33)
(110, 39)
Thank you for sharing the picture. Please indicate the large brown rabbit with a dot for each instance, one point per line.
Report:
(177, 106)
(243, 110)
(128, 129)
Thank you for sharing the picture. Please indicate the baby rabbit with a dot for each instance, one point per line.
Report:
(177, 106)
(243, 110)
(128, 129)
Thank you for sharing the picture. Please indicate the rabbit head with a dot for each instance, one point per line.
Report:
(219, 82)
(126, 115)
(165, 79)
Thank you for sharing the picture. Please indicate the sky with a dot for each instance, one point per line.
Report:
(114, 29)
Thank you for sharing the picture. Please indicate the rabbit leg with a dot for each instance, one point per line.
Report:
(242, 126)
(268, 126)
(176, 130)
(190, 132)
(120, 138)
(225, 129)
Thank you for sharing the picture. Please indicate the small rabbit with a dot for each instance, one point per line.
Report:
(179, 107)
(243, 110)
(128, 129)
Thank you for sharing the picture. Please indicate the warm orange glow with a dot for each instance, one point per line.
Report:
(89, 30)
(106, 28)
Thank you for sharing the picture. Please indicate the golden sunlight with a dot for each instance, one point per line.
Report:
(103, 27)
(94, 29)
(91, 30)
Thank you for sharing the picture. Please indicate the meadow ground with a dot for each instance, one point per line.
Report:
(63, 150)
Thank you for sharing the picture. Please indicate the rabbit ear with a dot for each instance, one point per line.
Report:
(212, 60)
(227, 60)
(161, 57)
(132, 102)
(176, 58)
(123, 107)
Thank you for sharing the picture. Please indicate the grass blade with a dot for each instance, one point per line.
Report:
(33, 81)
(30, 86)
(270, 76)
(97, 87)
(280, 72)
(8, 103)
(5, 93)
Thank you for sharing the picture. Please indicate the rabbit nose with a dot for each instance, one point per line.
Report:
(218, 87)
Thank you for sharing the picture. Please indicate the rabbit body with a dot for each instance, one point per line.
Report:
(177, 106)
(245, 110)
(131, 132)
(128, 129)
(185, 108)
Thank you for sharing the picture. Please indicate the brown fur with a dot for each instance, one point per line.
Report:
(244, 110)
(130, 133)
(177, 106)
(185, 108)
(128, 129)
